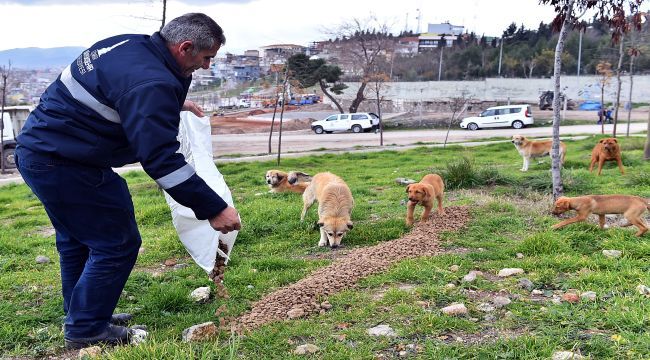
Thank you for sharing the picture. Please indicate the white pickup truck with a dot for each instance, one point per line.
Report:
(355, 122)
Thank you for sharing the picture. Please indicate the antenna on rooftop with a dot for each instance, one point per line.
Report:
(406, 23)
(419, 18)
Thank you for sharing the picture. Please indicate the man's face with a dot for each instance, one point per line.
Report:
(190, 63)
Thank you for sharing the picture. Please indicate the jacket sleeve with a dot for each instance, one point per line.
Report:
(150, 116)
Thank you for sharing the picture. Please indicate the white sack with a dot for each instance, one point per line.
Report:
(198, 237)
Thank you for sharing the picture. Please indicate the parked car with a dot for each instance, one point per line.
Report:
(515, 116)
(355, 122)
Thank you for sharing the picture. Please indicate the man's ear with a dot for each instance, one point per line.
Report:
(185, 48)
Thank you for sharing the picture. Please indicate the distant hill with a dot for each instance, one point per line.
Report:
(39, 58)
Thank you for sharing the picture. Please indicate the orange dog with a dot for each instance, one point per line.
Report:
(632, 207)
(431, 186)
(279, 181)
(606, 149)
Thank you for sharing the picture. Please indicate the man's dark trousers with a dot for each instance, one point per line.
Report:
(96, 235)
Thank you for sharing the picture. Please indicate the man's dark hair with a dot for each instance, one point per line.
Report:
(198, 28)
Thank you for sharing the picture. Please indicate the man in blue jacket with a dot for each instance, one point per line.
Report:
(117, 103)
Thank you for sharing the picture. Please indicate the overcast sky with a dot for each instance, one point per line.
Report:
(249, 24)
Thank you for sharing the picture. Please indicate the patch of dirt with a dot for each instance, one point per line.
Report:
(241, 125)
(345, 272)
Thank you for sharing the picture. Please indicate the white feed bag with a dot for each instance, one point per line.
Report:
(198, 237)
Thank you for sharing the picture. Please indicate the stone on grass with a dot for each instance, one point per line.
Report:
(501, 301)
(612, 253)
(471, 276)
(381, 330)
(90, 352)
(588, 295)
(537, 292)
(510, 271)
(570, 297)
(519, 256)
(295, 313)
(138, 335)
(325, 305)
(566, 355)
(526, 284)
(170, 262)
(485, 307)
(306, 349)
(454, 268)
(643, 290)
(200, 332)
(450, 286)
(454, 309)
(405, 181)
(201, 295)
(40, 259)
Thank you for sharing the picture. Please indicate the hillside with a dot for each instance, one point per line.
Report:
(40, 58)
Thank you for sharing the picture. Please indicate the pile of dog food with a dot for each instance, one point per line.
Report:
(303, 298)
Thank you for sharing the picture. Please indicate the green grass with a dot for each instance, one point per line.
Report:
(510, 215)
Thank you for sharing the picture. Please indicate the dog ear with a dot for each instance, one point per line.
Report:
(350, 225)
(614, 140)
(602, 141)
(320, 224)
(428, 190)
(407, 187)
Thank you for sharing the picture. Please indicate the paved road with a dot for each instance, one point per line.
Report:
(301, 141)
(249, 147)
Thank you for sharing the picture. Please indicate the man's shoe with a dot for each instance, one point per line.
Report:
(121, 319)
(113, 335)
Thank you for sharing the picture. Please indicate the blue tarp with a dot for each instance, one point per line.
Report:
(589, 105)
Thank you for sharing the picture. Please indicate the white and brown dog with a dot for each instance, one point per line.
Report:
(334, 207)
(533, 149)
(279, 181)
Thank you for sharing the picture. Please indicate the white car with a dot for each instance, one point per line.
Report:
(515, 116)
(356, 122)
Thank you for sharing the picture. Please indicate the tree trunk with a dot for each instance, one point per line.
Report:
(602, 109)
(284, 89)
(324, 90)
(381, 126)
(618, 88)
(646, 148)
(556, 174)
(164, 15)
(629, 101)
(275, 110)
(359, 98)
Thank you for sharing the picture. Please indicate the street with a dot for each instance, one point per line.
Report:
(304, 140)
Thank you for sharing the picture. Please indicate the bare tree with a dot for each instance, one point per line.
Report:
(457, 105)
(377, 83)
(621, 53)
(604, 70)
(367, 42)
(4, 73)
(612, 12)
(164, 14)
(281, 100)
(633, 53)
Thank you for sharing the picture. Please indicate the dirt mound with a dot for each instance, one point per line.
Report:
(303, 297)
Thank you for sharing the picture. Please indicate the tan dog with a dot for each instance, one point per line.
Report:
(533, 149)
(334, 207)
(430, 187)
(278, 181)
(632, 207)
(605, 150)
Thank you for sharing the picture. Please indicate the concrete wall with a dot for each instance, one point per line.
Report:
(501, 90)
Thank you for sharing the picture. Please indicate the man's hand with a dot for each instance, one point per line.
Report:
(226, 221)
(190, 105)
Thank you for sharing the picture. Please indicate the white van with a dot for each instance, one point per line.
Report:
(356, 122)
(515, 116)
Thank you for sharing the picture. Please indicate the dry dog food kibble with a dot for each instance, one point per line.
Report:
(218, 271)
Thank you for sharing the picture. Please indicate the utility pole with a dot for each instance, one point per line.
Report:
(500, 55)
(440, 64)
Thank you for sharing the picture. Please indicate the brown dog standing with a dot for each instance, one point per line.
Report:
(529, 149)
(335, 204)
(430, 187)
(605, 150)
(632, 207)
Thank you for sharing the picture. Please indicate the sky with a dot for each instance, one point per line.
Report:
(250, 24)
